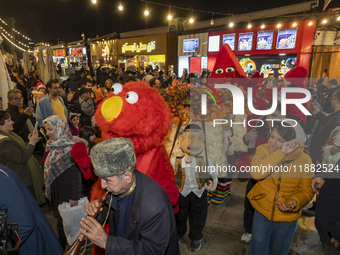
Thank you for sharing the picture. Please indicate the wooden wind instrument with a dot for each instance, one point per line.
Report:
(75, 247)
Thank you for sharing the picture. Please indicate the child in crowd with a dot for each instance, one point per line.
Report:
(89, 134)
(80, 153)
(75, 126)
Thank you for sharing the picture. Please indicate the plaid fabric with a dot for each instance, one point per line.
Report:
(59, 156)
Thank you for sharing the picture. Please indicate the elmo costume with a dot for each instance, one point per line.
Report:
(138, 112)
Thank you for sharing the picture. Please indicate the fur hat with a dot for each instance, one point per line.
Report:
(40, 85)
(297, 76)
(113, 157)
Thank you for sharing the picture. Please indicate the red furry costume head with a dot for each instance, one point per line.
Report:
(145, 122)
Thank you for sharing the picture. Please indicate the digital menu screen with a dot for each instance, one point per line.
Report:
(286, 38)
(190, 45)
(214, 43)
(264, 40)
(230, 40)
(245, 41)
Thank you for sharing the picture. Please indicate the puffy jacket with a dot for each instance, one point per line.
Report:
(280, 186)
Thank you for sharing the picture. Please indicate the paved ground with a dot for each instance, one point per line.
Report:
(224, 228)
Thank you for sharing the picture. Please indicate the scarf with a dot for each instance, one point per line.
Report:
(59, 158)
(87, 106)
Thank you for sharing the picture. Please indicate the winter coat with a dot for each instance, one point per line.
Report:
(151, 226)
(322, 132)
(20, 126)
(17, 155)
(44, 109)
(36, 234)
(327, 213)
(280, 186)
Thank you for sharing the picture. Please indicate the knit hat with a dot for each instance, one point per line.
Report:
(40, 85)
(113, 157)
(297, 76)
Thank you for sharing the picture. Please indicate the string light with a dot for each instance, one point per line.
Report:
(120, 7)
(263, 26)
(146, 12)
(169, 14)
(212, 19)
(8, 34)
(249, 26)
(12, 42)
(191, 20)
(324, 21)
(279, 25)
(338, 18)
(294, 24)
(310, 23)
(3, 22)
(231, 24)
(94, 1)
(16, 31)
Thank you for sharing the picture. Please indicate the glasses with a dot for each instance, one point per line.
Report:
(18, 98)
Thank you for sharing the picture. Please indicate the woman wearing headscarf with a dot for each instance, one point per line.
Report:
(17, 155)
(283, 172)
(61, 175)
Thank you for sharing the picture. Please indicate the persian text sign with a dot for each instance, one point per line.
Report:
(138, 47)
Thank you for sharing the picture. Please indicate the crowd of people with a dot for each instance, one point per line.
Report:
(47, 120)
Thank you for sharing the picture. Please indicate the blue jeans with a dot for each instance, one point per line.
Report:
(270, 237)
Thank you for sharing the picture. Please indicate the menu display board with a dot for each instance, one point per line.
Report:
(214, 43)
(286, 38)
(264, 40)
(190, 45)
(245, 41)
(230, 40)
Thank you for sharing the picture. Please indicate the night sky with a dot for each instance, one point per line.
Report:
(66, 20)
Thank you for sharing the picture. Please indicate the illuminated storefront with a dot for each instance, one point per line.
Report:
(192, 53)
(76, 57)
(155, 50)
(269, 49)
(104, 52)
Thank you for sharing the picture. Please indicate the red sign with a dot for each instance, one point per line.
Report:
(77, 51)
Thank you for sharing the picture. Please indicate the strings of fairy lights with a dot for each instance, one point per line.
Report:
(17, 46)
(12, 40)
(25, 47)
(191, 19)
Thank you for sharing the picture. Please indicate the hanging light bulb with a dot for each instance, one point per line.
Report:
(324, 21)
(191, 20)
(279, 25)
(231, 24)
(263, 26)
(249, 26)
(310, 23)
(212, 22)
(94, 1)
(169, 16)
(120, 7)
(338, 18)
(146, 12)
(294, 24)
